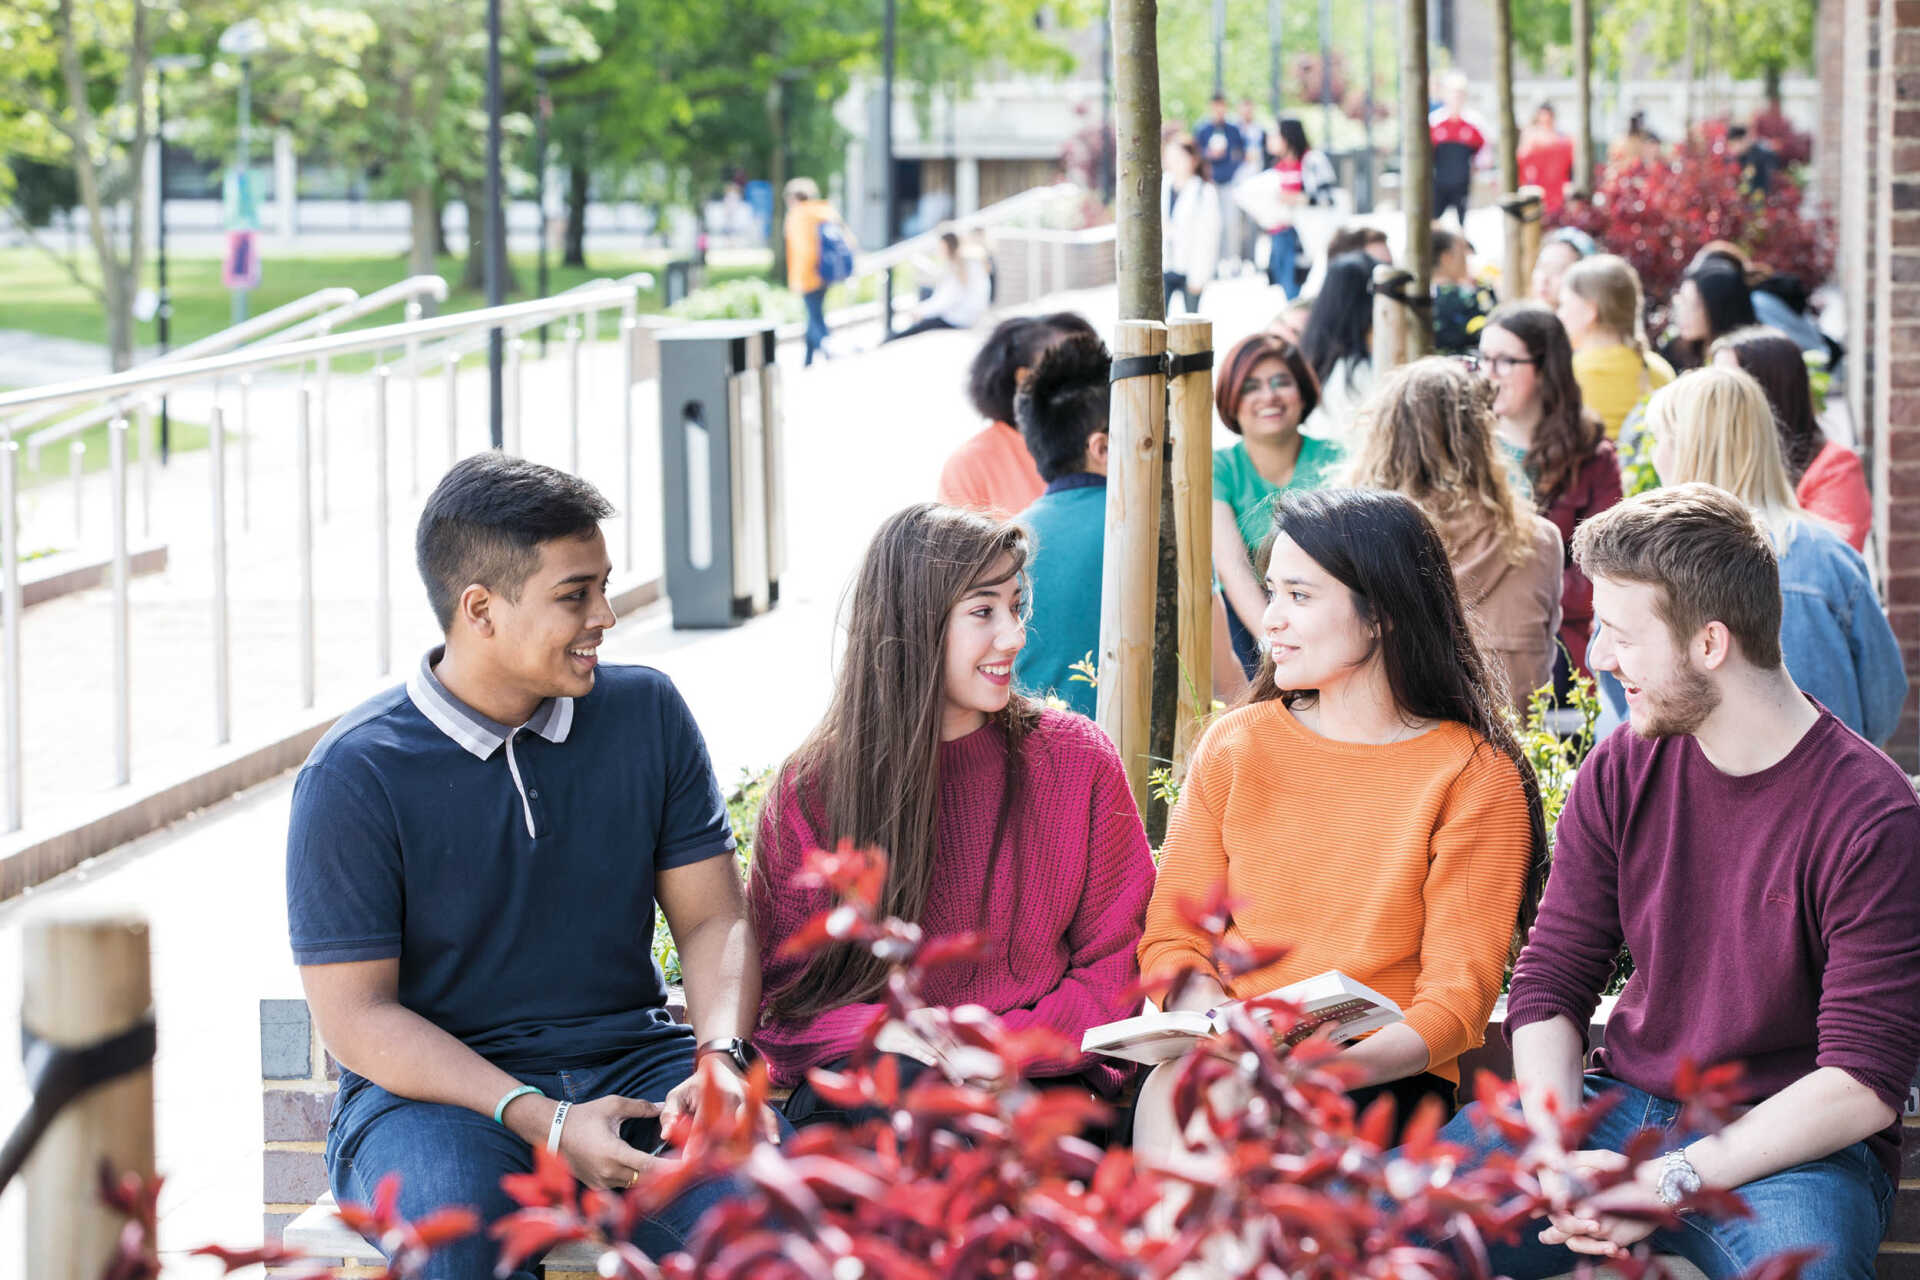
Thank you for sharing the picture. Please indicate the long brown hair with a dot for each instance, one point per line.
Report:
(1428, 433)
(1567, 432)
(870, 771)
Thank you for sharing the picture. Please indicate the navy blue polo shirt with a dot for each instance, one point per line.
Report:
(510, 870)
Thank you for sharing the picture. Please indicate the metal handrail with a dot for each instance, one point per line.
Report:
(386, 336)
(1003, 211)
(225, 340)
(131, 385)
(347, 310)
(459, 348)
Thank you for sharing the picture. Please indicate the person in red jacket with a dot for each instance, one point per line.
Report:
(1457, 141)
(1546, 158)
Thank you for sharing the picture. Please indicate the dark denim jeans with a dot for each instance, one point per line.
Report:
(1838, 1205)
(816, 301)
(448, 1155)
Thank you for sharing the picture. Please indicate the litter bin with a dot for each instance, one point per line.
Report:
(722, 471)
(683, 277)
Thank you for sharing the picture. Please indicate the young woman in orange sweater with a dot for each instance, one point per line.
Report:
(1366, 804)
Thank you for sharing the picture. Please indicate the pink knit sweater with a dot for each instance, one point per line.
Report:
(1065, 904)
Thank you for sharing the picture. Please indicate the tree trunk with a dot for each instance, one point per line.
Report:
(423, 210)
(575, 254)
(1136, 71)
(1503, 96)
(1416, 169)
(1136, 76)
(777, 175)
(1583, 96)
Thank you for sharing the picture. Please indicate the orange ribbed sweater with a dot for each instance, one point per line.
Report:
(1401, 865)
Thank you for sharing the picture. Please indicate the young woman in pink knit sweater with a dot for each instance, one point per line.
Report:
(998, 815)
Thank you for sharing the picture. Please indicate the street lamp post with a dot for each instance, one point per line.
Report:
(496, 235)
(890, 219)
(1326, 73)
(1275, 24)
(542, 59)
(163, 311)
(1219, 48)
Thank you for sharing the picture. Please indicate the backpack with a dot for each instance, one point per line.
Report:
(836, 255)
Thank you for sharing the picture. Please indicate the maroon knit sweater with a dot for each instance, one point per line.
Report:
(1065, 903)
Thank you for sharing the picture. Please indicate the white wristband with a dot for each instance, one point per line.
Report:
(559, 1122)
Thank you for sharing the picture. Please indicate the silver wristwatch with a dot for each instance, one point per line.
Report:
(1678, 1178)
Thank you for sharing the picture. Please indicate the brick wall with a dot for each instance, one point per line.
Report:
(1895, 452)
(1831, 66)
(1858, 93)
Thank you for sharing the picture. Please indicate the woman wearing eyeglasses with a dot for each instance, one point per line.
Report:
(1555, 446)
(1265, 390)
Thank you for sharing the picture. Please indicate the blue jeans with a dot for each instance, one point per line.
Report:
(816, 301)
(1838, 1204)
(1283, 250)
(447, 1155)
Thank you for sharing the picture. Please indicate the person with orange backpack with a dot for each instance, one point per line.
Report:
(819, 253)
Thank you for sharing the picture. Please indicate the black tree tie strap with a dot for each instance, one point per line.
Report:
(1194, 363)
(1396, 290)
(1125, 367)
(57, 1075)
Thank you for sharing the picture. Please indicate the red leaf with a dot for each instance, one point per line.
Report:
(527, 1232)
(443, 1226)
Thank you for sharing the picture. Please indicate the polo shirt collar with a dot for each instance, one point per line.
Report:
(479, 734)
(1076, 480)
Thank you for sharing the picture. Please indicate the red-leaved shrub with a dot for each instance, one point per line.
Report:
(1658, 215)
(980, 1173)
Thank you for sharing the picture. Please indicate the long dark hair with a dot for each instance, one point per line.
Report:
(1725, 298)
(1777, 365)
(1341, 322)
(1384, 550)
(870, 771)
(1567, 433)
(1294, 134)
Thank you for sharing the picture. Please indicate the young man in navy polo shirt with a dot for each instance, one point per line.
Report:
(472, 866)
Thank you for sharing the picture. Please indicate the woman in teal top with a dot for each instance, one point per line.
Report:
(1265, 390)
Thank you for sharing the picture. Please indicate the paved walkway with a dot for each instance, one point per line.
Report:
(866, 435)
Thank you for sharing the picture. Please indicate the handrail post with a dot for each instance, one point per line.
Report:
(222, 650)
(1190, 420)
(382, 551)
(573, 398)
(453, 410)
(629, 334)
(246, 452)
(414, 312)
(143, 429)
(76, 473)
(10, 619)
(326, 436)
(510, 429)
(84, 982)
(1137, 435)
(303, 513)
(122, 628)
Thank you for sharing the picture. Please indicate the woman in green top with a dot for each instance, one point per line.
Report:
(1265, 390)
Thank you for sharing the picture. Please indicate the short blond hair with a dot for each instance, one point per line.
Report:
(1611, 286)
(1718, 429)
(802, 189)
(1705, 551)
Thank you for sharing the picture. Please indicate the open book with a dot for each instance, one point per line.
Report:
(1331, 1000)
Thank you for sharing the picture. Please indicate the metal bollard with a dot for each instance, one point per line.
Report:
(573, 398)
(222, 646)
(76, 472)
(10, 620)
(629, 334)
(414, 313)
(383, 556)
(122, 619)
(304, 515)
(246, 453)
(453, 411)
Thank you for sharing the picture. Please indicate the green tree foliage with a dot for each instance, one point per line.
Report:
(1745, 39)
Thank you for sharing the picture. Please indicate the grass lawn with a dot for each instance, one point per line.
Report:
(40, 296)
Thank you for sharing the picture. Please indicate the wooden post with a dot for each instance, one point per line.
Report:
(1520, 231)
(1389, 319)
(85, 981)
(1533, 204)
(1136, 81)
(1137, 434)
(1190, 419)
(1503, 121)
(1416, 165)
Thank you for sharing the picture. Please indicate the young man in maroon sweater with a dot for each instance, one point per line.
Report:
(1761, 863)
